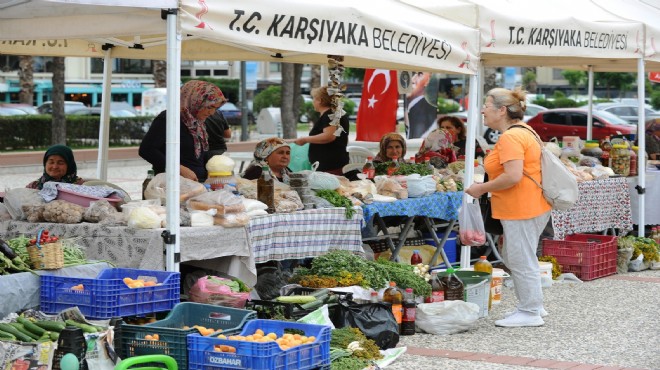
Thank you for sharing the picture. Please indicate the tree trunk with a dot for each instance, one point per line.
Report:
(160, 73)
(288, 94)
(58, 128)
(26, 77)
(297, 99)
(315, 79)
(490, 79)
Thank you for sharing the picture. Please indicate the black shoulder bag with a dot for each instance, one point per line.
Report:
(492, 225)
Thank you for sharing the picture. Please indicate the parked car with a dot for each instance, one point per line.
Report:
(28, 109)
(629, 112)
(96, 111)
(532, 110)
(120, 105)
(69, 106)
(6, 111)
(233, 114)
(562, 122)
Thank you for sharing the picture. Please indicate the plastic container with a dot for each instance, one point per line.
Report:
(369, 170)
(592, 149)
(262, 356)
(393, 296)
(173, 338)
(71, 340)
(454, 288)
(437, 289)
(266, 189)
(393, 166)
(84, 199)
(450, 246)
(546, 269)
(218, 180)
(484, 266)
(409, 310)
(496, 285)
(620, 159)
(415, 258)
(107, 296)
(588, 256)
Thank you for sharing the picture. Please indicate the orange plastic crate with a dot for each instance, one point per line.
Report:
(588, 256)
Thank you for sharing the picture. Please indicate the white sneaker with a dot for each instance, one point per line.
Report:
(520, 319)
(544, 313)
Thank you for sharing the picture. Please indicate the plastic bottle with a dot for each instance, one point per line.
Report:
(454, 288)
(150, 176)
(483, 265)
(393, 166)
(409, 311)
(437, 289)
(374, 297)
(412, 160)
(266, 189)
(369, 170)
(415, 258)
(393, 296)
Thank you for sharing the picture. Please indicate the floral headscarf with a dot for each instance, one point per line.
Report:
(195, 96)
(385, 141)
(264, 149)
(438, 140)
(71, 176)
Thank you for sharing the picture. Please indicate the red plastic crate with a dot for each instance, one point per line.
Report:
(588, 256)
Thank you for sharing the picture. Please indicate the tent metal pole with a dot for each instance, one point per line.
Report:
(473, 123)
(173, 142)
(104, 129)
(641, 146)
(590, 105)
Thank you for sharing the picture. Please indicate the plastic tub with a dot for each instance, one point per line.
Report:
(496, 285)
(84, 200)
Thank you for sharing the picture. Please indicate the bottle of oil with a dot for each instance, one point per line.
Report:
(437, 289)
(150, 176)
(266, 189)
(409, 308)
(483, 265)
(454, 288)
(393, 296)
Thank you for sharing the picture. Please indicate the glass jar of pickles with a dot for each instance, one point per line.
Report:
(592, 149)
(620, 159)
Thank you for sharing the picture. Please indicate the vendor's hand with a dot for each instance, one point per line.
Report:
(188, 173)
(300, 141)
(476, 190)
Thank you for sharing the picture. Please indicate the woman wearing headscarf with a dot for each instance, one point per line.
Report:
(199, 100)
(391, 145)
(59, 166)
(457, 129)
(653, 139)
(274, 153)
(439, 143)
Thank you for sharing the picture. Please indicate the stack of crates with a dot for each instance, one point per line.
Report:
(588, 256)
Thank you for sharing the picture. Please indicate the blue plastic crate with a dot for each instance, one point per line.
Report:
(450, 247)
(262, 356)
(107, 296)
(172, 337)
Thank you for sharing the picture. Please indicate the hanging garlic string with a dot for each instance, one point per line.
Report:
(335, 90)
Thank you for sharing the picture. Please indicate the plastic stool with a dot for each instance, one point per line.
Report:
(168, 361)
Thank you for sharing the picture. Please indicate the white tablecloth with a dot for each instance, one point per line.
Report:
(651, 198)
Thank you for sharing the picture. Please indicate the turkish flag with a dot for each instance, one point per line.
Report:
(377, 114)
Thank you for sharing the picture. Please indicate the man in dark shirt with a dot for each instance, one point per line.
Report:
(218, 130)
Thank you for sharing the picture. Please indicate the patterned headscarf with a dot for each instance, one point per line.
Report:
(385, 141)
(438, 140)
(71, 176)
(264, 149)
(195, 96)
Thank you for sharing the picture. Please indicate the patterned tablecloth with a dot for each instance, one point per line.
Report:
(304, 234)
(226, 249)
(602, 205)
(441, 205)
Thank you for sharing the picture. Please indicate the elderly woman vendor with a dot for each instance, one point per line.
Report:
(391, 145)
(274, 153)
(59, 166)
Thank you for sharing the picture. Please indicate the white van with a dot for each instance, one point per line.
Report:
(154, 101)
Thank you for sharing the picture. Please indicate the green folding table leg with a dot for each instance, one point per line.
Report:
(168, 361)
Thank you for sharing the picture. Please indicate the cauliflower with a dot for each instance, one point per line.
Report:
(63, 212)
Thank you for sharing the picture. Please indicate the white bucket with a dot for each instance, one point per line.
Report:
(496, 285)
(546, 269)
(479, 294)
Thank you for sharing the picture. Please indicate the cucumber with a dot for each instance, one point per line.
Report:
(13, 331)
(6, 336)
(22, 329)
(30, 326)
(54, 336)
(320, 293)
(49, 325)
(85, 328)
(312, 305)
(296, 299)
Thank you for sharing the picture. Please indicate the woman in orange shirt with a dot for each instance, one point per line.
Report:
(516, 200)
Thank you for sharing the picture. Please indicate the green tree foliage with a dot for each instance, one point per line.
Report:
(655, 99)
(270, 97)
(230, 86)
(575, 78)
(529, 81)
(614, 80)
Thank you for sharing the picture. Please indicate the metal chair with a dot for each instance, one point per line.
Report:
(358, 154)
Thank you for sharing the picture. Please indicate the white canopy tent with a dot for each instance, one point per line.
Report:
(573, 34)
(371, 34)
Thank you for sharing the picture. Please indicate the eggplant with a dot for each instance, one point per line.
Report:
(7, 251)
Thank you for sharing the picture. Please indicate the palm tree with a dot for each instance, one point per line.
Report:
(26, 80)
(290, 108)
(160, 73)
(58, 129)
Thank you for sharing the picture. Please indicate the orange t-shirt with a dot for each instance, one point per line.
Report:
(525, 199)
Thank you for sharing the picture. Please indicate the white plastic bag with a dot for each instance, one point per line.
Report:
(472, 231)
(447, 317)
(420, 186)
(143, 218)
(321, 180)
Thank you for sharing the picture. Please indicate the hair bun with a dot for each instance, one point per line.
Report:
(523, 104)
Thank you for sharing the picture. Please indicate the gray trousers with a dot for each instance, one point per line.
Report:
(521, 239)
